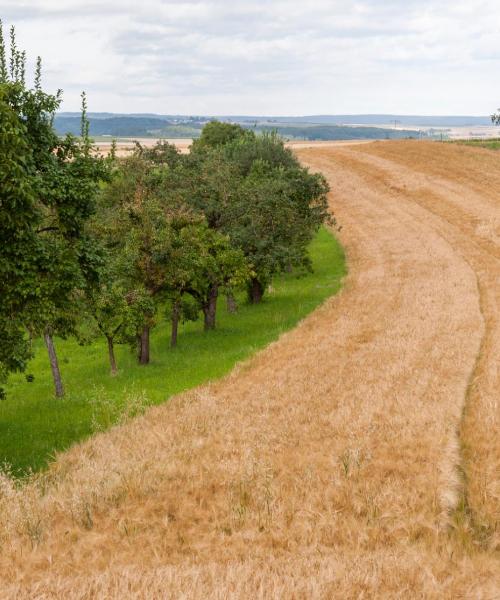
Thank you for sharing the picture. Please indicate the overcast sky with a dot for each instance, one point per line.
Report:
(290, 57)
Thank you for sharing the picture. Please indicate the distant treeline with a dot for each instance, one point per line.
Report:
(125, 126)
(337, 132)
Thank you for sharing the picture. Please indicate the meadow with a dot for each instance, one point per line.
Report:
(34, 425)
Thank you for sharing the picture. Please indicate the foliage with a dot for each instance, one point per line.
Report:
(276, 215)
(49, 192)
(254, 189)
(161, 248)
(18, 241)
(268, 148)
(34, 425)
(214, 264)
(217, 133)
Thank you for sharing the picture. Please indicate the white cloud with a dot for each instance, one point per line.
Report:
(267, 57)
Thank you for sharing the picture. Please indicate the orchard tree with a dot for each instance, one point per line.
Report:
(254, 190)
(208, 182)
(112, 314)
(277, 214)
(19, 246)
(181, 259)
(133, 227)
(49, 195)
(163, 247)
(219, 265)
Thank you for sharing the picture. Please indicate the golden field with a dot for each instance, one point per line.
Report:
(356, 457)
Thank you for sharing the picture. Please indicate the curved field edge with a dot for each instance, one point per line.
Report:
(315, 469)
(457, 187)
(34, 425)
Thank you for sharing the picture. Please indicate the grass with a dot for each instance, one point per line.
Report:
(491, 144)
(34, 425)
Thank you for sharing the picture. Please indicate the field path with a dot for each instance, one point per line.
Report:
(356, 457)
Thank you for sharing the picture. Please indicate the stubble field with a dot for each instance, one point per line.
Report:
(357, 456)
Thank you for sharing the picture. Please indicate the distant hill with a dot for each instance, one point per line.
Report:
(176, 126)
(402, 120)
(368, 119)
(127, 126)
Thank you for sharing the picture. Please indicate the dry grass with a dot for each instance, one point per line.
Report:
(330, 464)
(462, 195)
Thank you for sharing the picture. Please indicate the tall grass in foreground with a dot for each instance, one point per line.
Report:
(34, 425)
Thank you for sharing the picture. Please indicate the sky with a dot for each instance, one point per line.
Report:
(274, 57)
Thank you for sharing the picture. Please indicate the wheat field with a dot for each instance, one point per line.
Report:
(356, 457)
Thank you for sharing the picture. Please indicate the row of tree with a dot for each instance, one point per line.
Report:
(96, 244)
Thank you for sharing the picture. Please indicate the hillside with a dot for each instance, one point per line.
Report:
(439, 121)
(357, 456)
(190, 127)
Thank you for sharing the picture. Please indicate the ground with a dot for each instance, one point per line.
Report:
(357, 456)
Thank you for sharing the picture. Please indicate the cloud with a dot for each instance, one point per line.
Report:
(274, 56)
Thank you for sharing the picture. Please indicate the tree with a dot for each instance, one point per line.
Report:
(181, 259)
(253, 189)
(267, 147)
(51, 259)
(217, 133)
(195, 191)
(18, 242)
(273, 221)
(132, 226)
(107, 303)
(217, 265)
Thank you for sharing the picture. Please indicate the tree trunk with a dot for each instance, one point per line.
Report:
(30, 337)
(255, 291)
(210, 308)
(232, 307)
(111, 352)
(54, 365)
(144, 346)
(175, 324)
(138, 347)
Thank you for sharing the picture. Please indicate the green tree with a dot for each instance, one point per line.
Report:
(277, 213)
(253, 189)
(112, 314)
(217, 133)
(19, 246)
(53, 260)
(133, 227)
(267, 147)
(218, 265)
(163, 247)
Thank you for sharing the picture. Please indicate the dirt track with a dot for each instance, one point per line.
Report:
(358, 456)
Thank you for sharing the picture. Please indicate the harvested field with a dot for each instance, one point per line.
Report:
(126, 147)
(356, 457)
